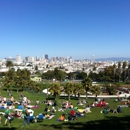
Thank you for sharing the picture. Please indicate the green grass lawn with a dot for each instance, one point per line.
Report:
(91, 121)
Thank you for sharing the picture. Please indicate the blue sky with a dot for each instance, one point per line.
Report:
(77, 28)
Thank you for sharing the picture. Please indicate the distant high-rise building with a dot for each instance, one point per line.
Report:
(29, 59)
(46, 56)
(18, 58)
(93, 59)
(57, 58)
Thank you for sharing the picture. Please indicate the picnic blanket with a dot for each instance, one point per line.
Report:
(2, 107)
(81, 110)
(123, 105)
(31, 106)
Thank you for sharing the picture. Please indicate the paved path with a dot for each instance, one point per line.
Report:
(93, 96)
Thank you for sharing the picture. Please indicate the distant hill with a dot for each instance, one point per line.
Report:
(113, 59)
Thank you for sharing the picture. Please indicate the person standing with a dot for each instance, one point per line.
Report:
(7, 113)
(26, 117)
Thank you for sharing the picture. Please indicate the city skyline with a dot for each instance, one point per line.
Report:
(62, 28)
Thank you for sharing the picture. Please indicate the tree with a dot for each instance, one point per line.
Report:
(87, 84)
(59, 74)
(128, 71)
(9, 79)
(111, 89)
(22, 79)
(81, 75)
(0, 87)
(95, 90)
(71, 75)
(68, 88)
(119, 70)
(78, 90)
(9, 64)
(38, 87)
(114, 70)
(31, 85)
(18, 83)
(124, 70)
(55, 89)
(8, 83)
(36, 67)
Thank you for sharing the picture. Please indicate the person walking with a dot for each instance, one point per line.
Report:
(26, 117)
(7, 112)
(8, 117)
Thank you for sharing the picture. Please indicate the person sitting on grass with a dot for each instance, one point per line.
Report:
(20, 106)
(40, 117)
(37, 102)
(53, 111)
(105, 111)
(87, 110)
(73, 114)
(79, 114)
(17, 114)
(47, 116)
(46, 109)
(71, 106)
(103, 102)
(62, 117)
(55, 103)
(114, 110)
(79, 102)
(70, 118)
(119, 109)
(93, 104)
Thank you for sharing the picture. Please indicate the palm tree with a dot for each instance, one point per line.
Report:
(0, 87)
(114, 69)
(128, 71)
(78, 90)
(119, 70)
(68, 88)
(9, 64)
(124, 68)
(95, 90)
(55, 89)
(87, 84)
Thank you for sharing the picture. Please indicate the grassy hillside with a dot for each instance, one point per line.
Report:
(94, 120)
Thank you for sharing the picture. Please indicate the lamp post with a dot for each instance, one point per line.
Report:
(0, 88)
(114, 73)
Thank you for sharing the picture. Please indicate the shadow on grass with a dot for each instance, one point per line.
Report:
(110, 123)
(7, 128)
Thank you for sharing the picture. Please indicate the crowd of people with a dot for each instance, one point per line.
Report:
(23, 111)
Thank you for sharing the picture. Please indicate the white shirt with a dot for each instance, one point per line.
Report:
(31, 112)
